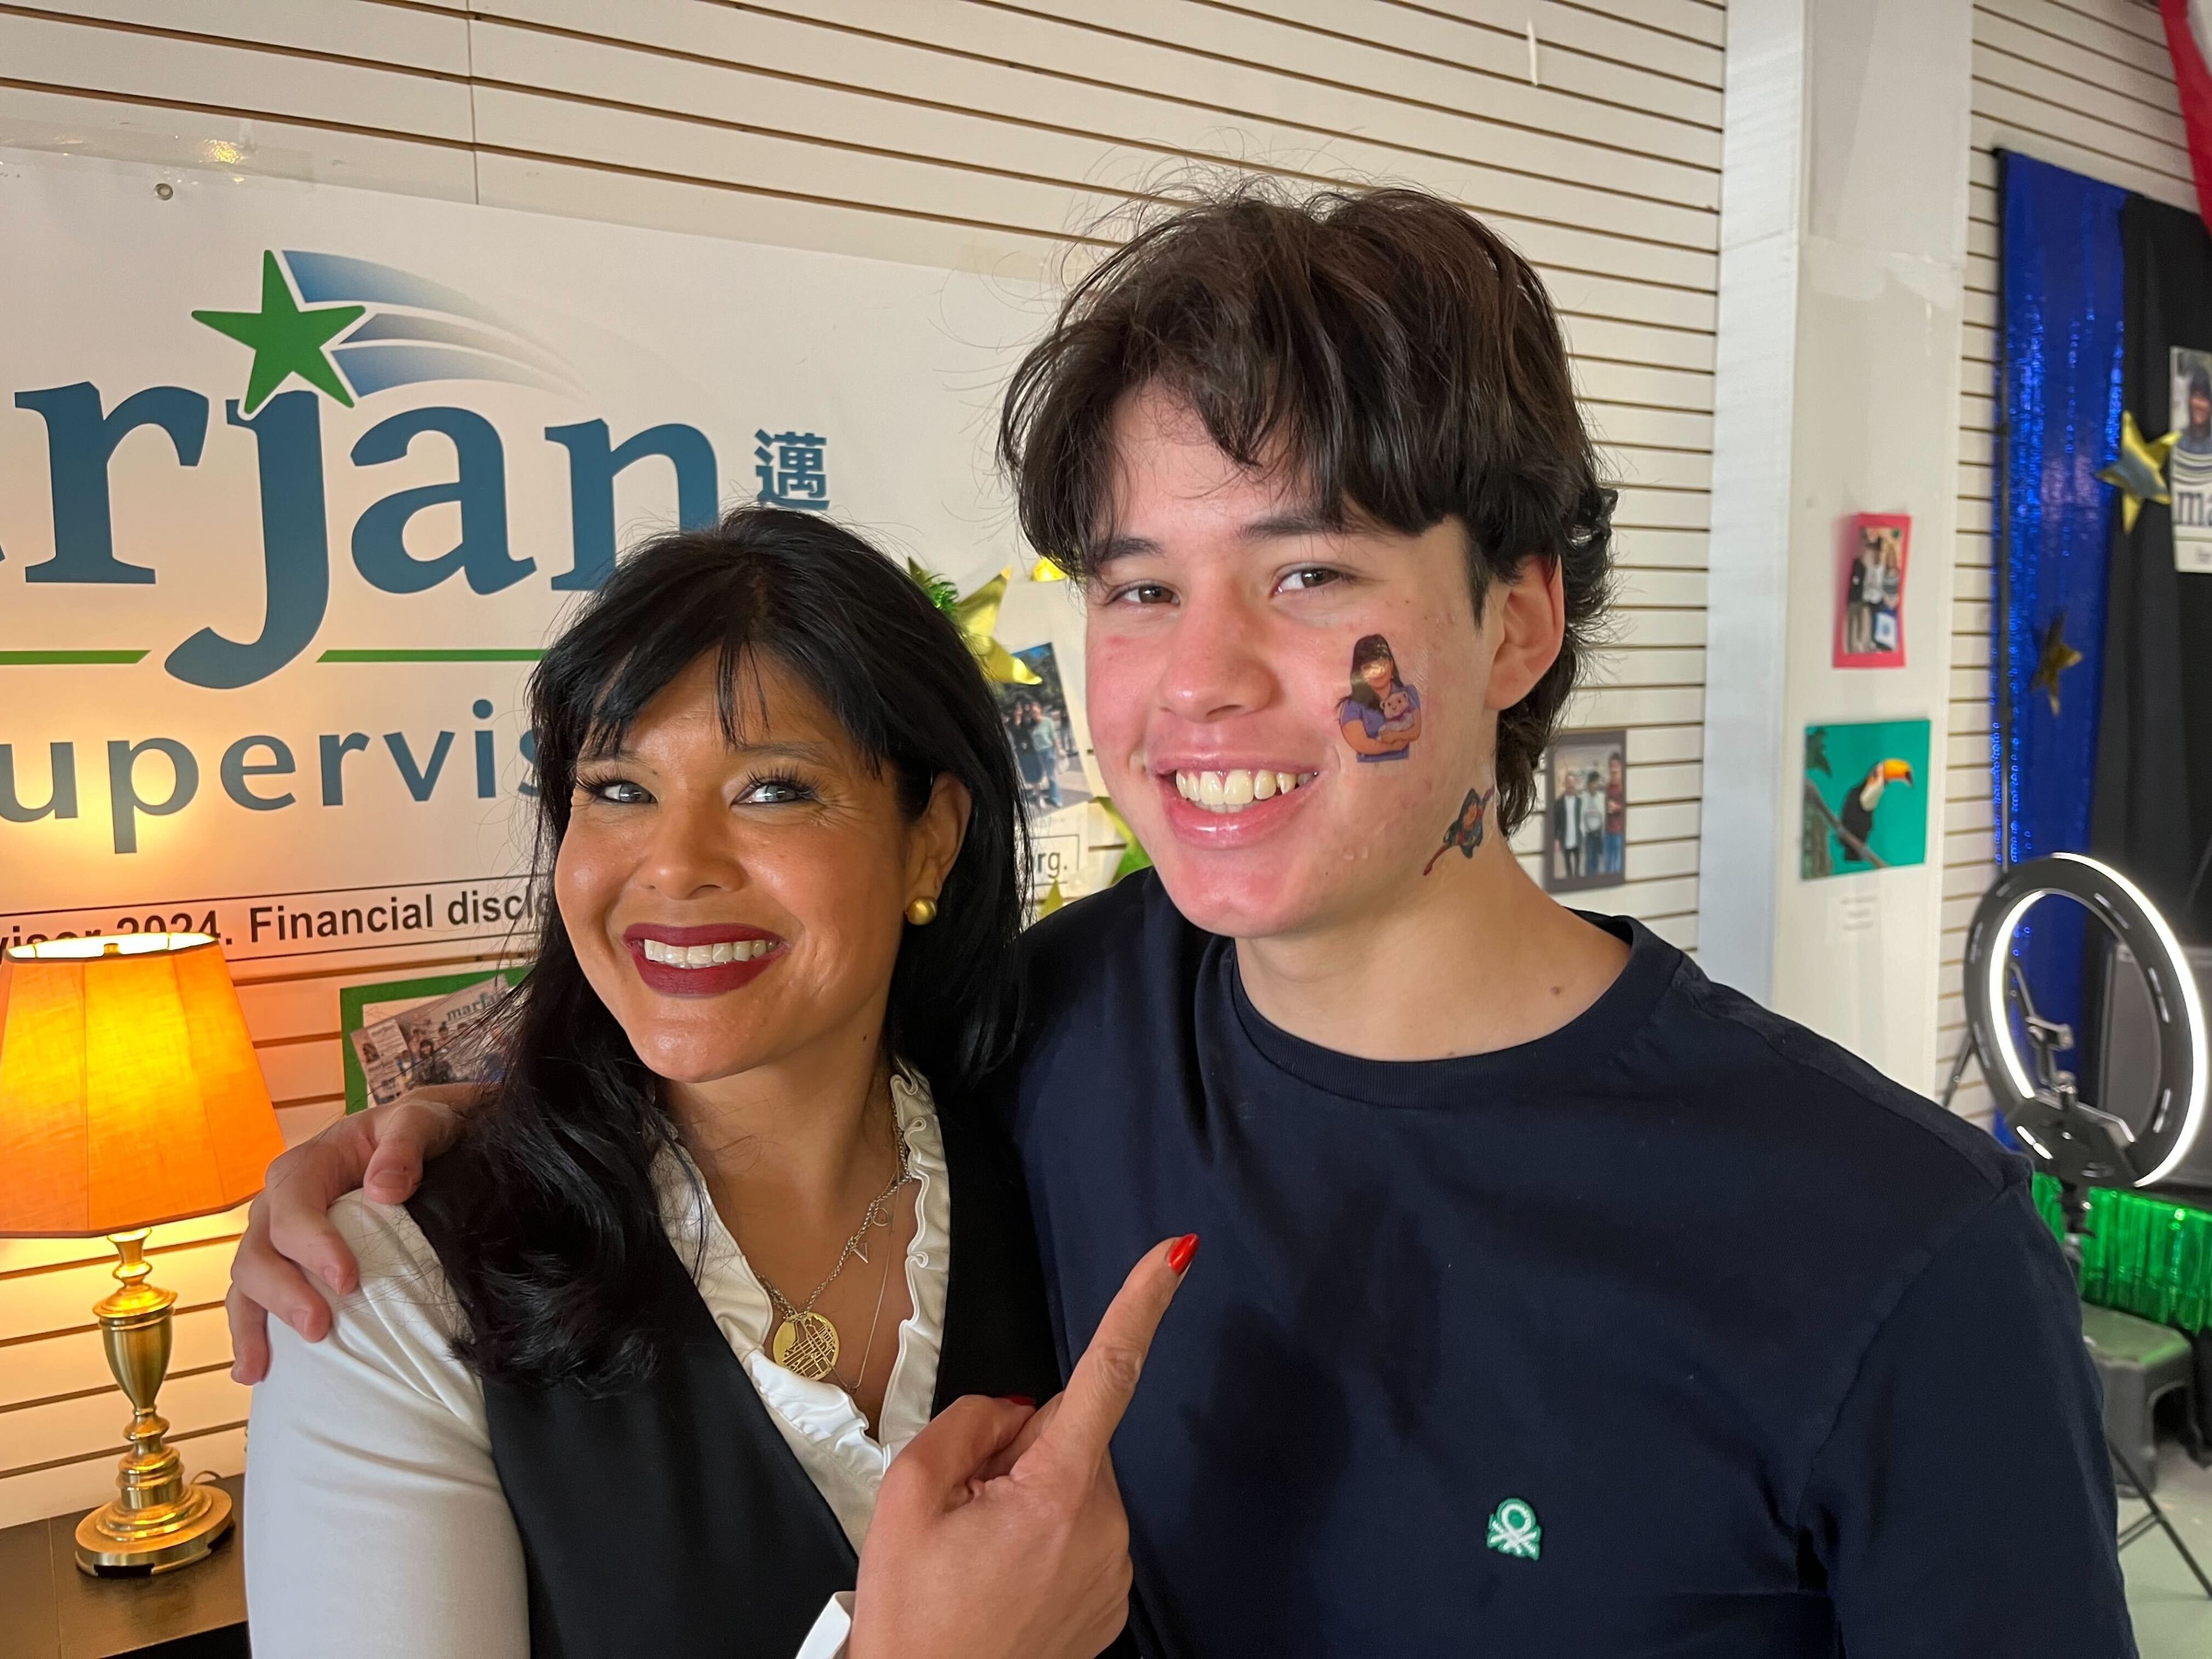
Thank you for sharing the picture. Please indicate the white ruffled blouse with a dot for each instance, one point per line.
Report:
(377, 1524)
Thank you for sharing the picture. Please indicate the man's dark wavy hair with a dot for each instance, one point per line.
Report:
(561, 1210)
(1384, 343)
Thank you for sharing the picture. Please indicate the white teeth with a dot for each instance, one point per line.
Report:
(705, 956)
(1233, 792)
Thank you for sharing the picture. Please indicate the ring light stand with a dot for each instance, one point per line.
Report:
(2080, 1143)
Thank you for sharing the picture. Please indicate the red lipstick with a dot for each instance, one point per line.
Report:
(676, 979)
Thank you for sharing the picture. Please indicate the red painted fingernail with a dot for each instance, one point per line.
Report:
(1018, 1400)
(1185, 1247)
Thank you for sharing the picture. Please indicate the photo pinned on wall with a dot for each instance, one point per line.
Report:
(2189, 467)
(1870, 619)
(1040, 624)
(1047, 744)
(1585, 811)
(407, 1034)
(1382, 715)
(1866, 797)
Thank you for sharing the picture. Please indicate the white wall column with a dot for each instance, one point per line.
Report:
(1842, 277)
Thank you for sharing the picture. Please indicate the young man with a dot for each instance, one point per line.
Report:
(1555, 1300)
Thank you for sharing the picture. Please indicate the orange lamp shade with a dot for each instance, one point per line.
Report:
(129, 1091)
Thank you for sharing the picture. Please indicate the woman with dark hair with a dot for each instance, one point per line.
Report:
(627, 1375)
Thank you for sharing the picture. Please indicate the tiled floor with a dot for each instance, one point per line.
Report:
(2173, 1614)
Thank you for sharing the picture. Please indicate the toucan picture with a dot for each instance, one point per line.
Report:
(1856, 814)
(1854, 817)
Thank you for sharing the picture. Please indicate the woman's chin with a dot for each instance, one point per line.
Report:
(692, 1063)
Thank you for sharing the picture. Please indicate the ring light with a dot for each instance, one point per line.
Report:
(2069, 1137)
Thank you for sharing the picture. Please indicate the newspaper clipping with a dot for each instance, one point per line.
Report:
(449, 1039)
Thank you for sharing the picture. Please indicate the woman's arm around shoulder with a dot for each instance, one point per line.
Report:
(376, 1523)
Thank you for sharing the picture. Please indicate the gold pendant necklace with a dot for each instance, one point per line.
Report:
(805, 1342)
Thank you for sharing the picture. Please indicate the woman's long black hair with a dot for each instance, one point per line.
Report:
(562, 1207)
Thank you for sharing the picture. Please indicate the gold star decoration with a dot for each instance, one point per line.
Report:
(2053, 660)
(2138, 471)
(976, 617)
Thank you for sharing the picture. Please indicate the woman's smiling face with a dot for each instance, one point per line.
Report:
(735, 904)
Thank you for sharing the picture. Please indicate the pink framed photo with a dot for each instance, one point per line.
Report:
(1870, 607)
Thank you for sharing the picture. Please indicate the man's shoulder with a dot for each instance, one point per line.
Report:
(1117, 962)
(1086, 946)
(1801, 1095)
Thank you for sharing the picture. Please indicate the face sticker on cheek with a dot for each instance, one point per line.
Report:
(1466, 830)
(1382, 716)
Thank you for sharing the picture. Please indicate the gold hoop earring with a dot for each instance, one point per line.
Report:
(921, 911)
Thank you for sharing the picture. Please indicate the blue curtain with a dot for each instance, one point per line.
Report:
(2060, 421)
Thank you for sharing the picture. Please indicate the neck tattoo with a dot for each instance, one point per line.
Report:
(1466, 829)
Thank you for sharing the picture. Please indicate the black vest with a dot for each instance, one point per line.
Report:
(671, 1518)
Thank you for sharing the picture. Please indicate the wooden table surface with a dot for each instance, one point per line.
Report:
(51, 1611)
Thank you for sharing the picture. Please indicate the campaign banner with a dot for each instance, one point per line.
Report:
(296, 482)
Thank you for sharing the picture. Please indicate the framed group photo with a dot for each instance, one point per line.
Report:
(1586, 811)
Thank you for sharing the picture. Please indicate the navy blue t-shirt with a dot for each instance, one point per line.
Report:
(1679, 1331)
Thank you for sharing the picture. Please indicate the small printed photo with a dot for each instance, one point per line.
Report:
(1870, 620)
(447, 1039)
(1866, 797)
(1585, 811)
(2188, 468)
(1046, 743)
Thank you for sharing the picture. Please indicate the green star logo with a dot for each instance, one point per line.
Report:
(284, 339)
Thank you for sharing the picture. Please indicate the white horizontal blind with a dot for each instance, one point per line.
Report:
(2085, 84)
(988, 135)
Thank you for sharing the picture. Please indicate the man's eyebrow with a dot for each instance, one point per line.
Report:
(1272, 526)
(1292, 521)
(1123, 547)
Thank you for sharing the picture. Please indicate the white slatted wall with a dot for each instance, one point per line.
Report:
(2085, 84)
(974, 134)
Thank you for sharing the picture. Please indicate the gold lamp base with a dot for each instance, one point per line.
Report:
(114, 1542)
(158, 1520)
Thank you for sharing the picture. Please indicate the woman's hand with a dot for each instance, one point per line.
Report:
(998, 1532)
(288, 1229)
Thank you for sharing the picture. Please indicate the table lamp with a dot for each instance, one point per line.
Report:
(130, 1096)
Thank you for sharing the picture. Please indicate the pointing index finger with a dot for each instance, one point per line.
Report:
(1090, 1409)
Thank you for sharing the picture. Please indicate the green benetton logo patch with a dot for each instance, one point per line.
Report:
(1514, 1531)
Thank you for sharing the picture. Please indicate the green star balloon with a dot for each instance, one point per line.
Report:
(284, 339)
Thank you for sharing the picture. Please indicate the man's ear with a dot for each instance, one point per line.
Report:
(1530, 615)
(937, 835)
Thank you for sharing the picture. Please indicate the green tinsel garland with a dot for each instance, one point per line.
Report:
(2144, 1255)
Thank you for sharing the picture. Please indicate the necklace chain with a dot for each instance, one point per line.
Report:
(878, 1214)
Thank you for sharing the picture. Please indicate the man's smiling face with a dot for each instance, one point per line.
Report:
(1221, 618)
